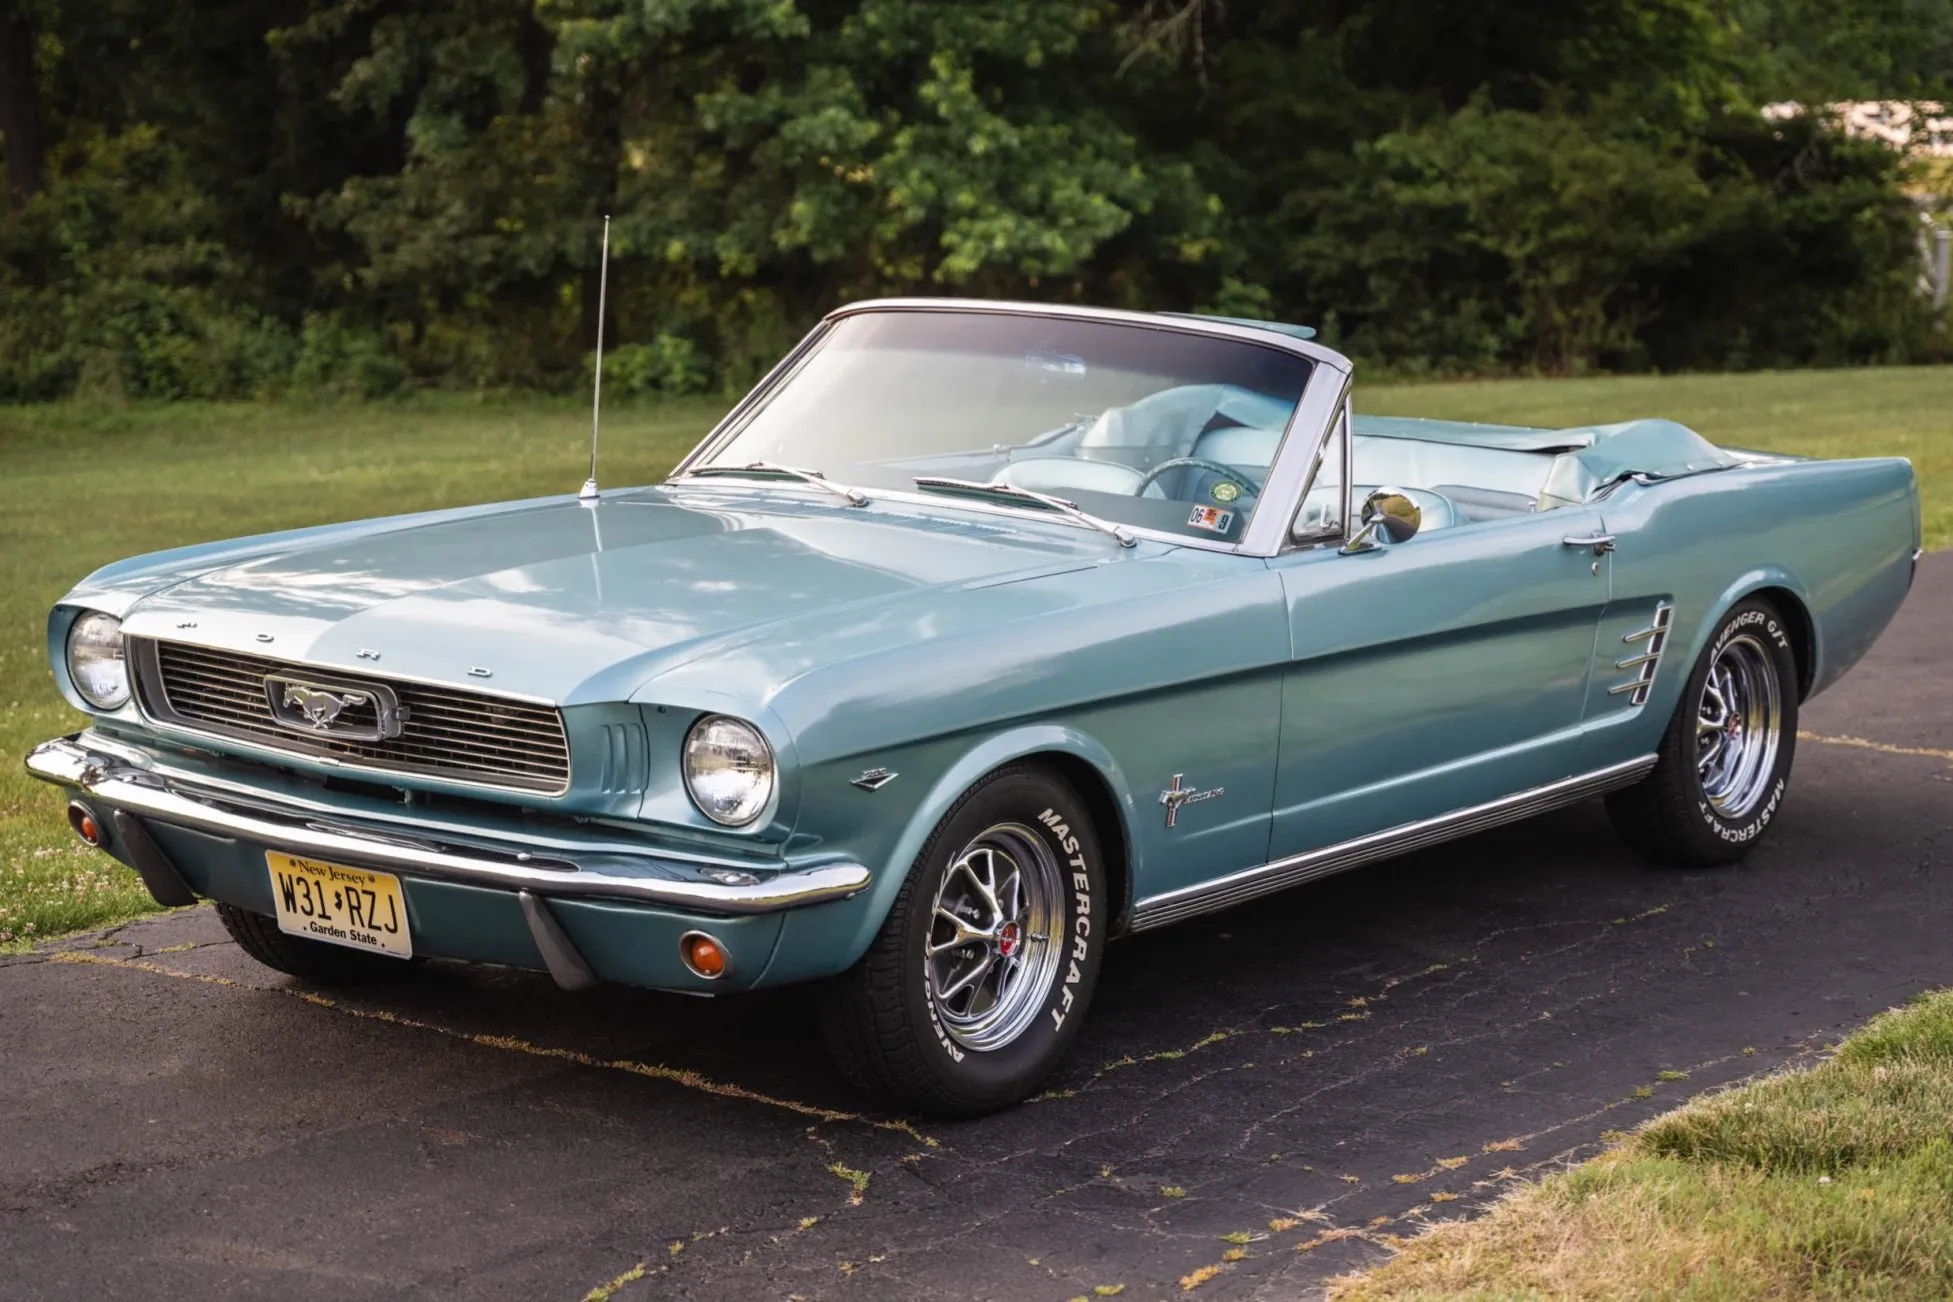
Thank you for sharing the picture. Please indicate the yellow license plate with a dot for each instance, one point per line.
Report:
(356, 907)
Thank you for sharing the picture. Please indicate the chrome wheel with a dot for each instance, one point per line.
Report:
(1738, 727)
(990, 959)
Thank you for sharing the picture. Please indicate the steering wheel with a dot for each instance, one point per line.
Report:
(1228, 474)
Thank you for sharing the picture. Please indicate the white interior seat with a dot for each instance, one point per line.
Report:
(1059, 474)
(1244, 447)
(1409, 463)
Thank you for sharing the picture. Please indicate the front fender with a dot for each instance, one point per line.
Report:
(830, 938)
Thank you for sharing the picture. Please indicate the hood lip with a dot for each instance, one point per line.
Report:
(419, 680)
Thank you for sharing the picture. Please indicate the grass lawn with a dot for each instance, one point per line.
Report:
(81, 486)
(1831, 1183)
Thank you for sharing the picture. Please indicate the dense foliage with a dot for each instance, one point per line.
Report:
(353, 195)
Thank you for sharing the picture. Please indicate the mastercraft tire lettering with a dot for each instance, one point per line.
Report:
(982, 973)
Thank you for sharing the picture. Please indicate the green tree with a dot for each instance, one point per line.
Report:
(347, 195)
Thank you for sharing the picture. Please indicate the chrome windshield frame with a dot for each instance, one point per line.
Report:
(1309, 425)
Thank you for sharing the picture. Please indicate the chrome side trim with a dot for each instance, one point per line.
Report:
(1656, 636)
(727, 888)
(1224, 892)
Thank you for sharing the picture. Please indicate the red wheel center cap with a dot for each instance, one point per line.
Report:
(1007, 939)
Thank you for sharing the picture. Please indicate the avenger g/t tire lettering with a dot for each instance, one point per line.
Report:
(1725, 759)
(979, 978)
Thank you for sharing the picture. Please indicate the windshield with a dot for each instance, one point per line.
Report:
(1156, 428)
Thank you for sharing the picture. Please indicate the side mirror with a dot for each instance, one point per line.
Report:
(1389, 515)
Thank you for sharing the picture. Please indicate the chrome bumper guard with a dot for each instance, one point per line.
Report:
(725, 889)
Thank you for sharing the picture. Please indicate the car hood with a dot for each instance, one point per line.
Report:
(573, 602)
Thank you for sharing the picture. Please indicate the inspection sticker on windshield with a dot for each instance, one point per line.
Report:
(1212, 519)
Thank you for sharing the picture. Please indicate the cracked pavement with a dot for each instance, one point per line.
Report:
(1261, 1098)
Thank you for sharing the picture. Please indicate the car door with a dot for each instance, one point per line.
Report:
(1434, 674)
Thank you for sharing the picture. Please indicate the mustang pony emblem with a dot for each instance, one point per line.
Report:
(320, 706)
(1176, 795)
(336, 710)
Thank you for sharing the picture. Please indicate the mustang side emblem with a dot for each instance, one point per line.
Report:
(341, 711)
(1176, 795)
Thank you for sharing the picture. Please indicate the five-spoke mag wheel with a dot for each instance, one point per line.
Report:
(990, 958)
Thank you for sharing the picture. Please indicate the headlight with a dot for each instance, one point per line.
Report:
(728, 770)
(95, 662)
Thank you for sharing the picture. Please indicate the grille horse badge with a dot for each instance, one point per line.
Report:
(335, 710)
(321, 707)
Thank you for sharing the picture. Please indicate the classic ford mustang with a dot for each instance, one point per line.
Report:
(978, 635)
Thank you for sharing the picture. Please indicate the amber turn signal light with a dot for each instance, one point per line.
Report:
(82, 819)
(702, 954)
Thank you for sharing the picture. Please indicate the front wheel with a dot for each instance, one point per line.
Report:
(979, 978)
(1723, 764)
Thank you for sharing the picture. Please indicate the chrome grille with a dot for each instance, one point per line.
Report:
(446, 733)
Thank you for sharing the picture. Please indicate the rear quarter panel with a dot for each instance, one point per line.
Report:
(1838, 536)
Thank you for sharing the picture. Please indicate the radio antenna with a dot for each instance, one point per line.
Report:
(589, 490)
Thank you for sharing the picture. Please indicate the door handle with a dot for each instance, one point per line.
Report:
(1602, 543)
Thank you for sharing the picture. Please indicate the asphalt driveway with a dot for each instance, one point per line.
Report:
(1261, 1098)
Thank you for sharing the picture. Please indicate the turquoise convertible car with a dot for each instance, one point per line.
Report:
(978, 635)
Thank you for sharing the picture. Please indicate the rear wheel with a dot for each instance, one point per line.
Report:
(1725, 760)
(978, 981)
(313, 961)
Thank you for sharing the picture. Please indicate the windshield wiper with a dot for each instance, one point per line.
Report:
(854, 496)
(1070, 510)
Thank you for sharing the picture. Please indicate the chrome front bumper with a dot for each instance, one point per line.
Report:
(124, 778)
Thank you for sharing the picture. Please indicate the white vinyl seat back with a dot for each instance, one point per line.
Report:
(1171, 421)
(1061, 474)
(1411, 463)
(1244, 447)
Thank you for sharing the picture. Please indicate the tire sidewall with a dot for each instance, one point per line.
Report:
(1050, 809)
(1761, 620)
